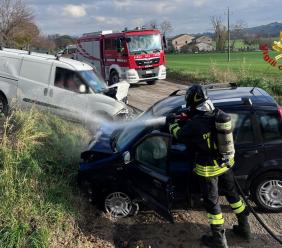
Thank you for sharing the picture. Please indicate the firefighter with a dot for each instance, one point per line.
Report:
(213, 172)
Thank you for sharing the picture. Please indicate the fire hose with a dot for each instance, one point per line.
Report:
(266, 228)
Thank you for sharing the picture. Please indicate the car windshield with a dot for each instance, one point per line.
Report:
(94, 80)
(127, 135)
(144, 43)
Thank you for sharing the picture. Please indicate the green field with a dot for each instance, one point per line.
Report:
(204, 65)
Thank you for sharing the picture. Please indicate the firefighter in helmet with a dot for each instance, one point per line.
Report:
(200, 135)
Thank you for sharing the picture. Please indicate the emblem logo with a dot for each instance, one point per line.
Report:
(278, 47)
(197, 98)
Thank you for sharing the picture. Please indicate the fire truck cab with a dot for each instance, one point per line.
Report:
(134, 55)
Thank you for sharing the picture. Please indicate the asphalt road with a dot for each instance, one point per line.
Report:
(142, 95)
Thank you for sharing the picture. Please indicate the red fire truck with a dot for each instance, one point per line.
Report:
(131, 55)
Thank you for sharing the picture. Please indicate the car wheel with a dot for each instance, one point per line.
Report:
(120, 205)
(114, 77)
(267, 192)
(3, 105)
(151, 82)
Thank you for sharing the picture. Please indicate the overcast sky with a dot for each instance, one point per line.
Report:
(186, 16)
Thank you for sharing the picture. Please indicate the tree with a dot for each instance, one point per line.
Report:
(24, 35)
(237, 32)
(13, 15)
(166, 27)
(220, 33)
(62, 41)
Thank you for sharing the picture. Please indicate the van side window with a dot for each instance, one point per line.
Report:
(67, 79)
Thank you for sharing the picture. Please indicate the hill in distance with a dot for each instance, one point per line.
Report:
(268, 30)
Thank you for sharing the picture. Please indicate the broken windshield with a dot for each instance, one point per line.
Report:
(94, 81)
(144, 43)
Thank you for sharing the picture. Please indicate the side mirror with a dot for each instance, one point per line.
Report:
(82, 88)
(164, 42)
(126, 157)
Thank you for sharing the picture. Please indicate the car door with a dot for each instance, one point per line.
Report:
(65, 96)
(249, 154)
(148, 173)
(270, 125)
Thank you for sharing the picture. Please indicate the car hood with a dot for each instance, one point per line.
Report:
(102, 140)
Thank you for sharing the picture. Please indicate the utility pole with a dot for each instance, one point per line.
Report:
(228, 27)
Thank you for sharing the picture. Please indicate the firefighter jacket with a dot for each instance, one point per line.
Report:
(199, 135)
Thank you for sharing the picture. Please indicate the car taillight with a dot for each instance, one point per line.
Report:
(280, 111)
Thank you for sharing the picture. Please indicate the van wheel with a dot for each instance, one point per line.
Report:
(114, 77)
(267, 192)
(151, 82)
(3, 105)
(120, 205)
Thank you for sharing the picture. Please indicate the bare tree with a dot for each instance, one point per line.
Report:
(237, 32)
(220, 33)
(13, 15)
(166, 27)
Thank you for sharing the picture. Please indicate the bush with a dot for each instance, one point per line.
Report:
(39, 155)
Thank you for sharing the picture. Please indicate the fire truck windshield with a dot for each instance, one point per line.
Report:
(144, 43)
(94, 81)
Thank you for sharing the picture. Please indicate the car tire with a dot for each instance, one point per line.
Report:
(119, 204)
(4, 108)
(114, 77)
(151, 82)
(267, 192)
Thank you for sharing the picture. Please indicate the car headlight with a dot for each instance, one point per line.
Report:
(122, 111)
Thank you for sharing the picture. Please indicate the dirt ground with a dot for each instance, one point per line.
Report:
(148, 230)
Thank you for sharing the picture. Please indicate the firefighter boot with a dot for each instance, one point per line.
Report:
(217, 240)
(243, 228)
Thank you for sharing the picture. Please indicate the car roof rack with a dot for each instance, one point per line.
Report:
(221, 86)
(215, 86)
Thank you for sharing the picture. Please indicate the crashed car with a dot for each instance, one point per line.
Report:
(140, 162)
(68, 88)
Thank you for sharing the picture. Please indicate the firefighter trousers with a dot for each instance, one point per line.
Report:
(210, 187)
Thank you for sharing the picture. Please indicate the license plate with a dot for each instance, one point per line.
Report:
(149, 72)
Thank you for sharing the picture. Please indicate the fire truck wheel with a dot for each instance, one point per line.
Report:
(151, 82)
(114, 77)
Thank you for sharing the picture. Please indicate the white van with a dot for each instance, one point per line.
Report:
(63, 86)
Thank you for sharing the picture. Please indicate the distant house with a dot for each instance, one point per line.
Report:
(200, 44)
(178, 42)
(203, 39)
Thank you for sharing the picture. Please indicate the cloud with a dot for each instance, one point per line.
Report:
(74, 10)
(109, 20)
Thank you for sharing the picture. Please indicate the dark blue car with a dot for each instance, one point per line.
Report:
(138, 162)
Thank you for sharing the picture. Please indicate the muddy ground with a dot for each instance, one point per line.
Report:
(148, 230)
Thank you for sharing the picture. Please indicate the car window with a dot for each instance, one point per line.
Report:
(271, 126)
(68, 80)
(242, 128)
(152, 153)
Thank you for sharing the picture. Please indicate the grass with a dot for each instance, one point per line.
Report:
(245, 68)
(201, 64)
(39, 155)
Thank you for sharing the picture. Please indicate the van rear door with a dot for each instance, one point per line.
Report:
(33, 83)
